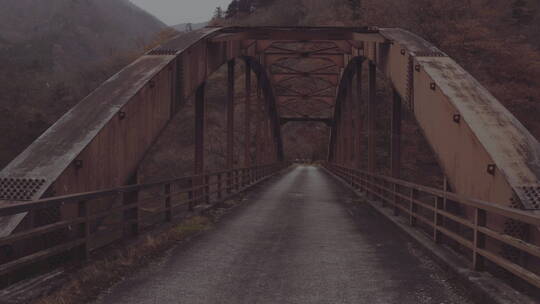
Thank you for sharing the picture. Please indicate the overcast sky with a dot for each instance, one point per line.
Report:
(181, 11)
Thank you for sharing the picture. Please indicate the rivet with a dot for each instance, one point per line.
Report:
(433, 86)
(121, 115)
(78, 163)
(417, 68)
(152, 84)
(491, 169)
(457, 118)
(403, 51)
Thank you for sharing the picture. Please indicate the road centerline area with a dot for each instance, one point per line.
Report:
(293, 242)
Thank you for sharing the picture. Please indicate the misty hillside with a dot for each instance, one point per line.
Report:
(55, 52)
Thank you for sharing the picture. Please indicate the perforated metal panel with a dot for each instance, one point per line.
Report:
(430, 54)
(19, 189)
(532, 197)
(163, 52)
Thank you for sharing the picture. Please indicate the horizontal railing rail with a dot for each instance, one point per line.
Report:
(95, 219)
(427, 207)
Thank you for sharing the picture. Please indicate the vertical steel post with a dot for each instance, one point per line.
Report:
(437, 219)
(261, 153)
(247, 115)
(168, 205)
(395, 149)
(371, 116)
(396, 136)
(359, 121)
(84, 231)
(480, 220)
(230, 114)
(219, 186)
(266, 140)
(132, 213)
(349, 124)
(258, 137)
(230, 122)
(199, 129)
(199, 142)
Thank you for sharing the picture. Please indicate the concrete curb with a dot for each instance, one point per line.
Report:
(482, 286)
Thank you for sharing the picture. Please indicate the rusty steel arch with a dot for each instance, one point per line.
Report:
(484, 151)
(418, 71)
(99, 143)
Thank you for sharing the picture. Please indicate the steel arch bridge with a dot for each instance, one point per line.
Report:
(304, 74)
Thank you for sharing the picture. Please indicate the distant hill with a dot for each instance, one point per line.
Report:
(182, 27)
(55, 52)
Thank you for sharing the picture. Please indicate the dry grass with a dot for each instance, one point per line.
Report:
(84, 284)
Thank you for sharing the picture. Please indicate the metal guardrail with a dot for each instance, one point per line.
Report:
(103, 217)
(426, 206)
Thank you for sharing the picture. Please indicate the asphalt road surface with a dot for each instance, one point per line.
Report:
(297, 239)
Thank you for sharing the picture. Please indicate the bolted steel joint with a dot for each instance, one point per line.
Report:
(78, 163)
(491, 169)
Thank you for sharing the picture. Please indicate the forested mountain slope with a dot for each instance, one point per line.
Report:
(55, 52)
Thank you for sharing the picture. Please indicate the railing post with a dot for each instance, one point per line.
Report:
(395, 198)
(168, 207)
(247, 116)
(219, 186)
(437, 219)
(230, 114)
(359, 113)
(207, 188)
(413, 208)
(84, 230)
(480, 219)
(229, 181)
(371, 116)
(131, 214)
(237, 180)
(191, 199)
(377, 190)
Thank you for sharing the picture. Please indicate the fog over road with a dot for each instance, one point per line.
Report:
(297, 239)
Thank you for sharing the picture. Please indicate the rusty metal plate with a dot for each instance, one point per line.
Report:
(19, 189)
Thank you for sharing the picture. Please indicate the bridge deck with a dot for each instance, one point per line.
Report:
(294, 242)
